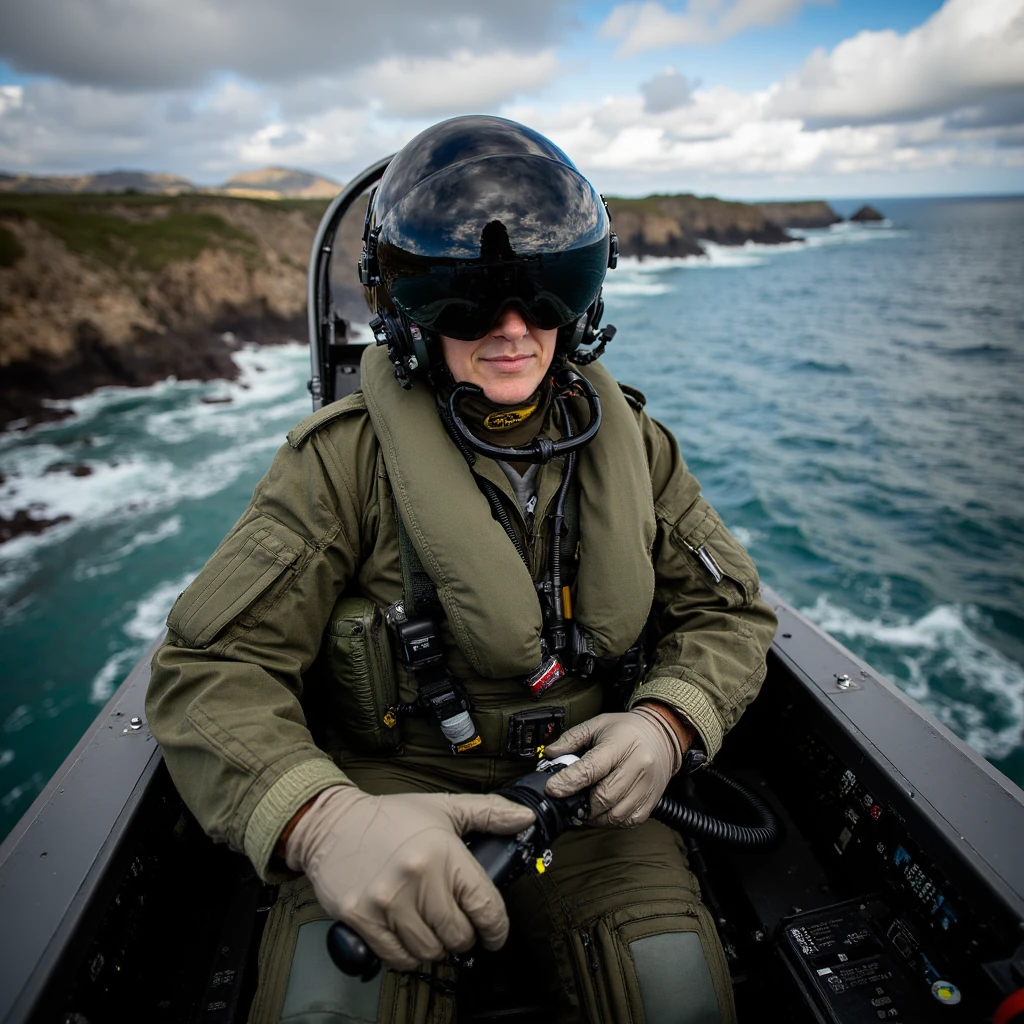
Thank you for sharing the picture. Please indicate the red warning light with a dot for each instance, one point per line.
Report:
(876, 812)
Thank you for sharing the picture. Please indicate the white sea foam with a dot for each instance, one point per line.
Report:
(269, 389)
(623, 282)
(151, 611)
(989, 711)
(625, 286)
(744, 536)
(110, 562)
(144, 619)
(6, 757)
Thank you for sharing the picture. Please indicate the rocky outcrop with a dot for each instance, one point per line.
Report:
(94, 294)
(867, 215)
(813, 213)
(676, 225)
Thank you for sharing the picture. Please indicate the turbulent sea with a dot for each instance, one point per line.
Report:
(852, 405)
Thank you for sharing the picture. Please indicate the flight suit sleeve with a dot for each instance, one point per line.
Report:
(711, 627)
(224, 695)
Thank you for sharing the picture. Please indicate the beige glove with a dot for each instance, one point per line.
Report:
(630, 757)
(395, 869)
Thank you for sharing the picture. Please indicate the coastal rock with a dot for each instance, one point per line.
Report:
(24, 522)
(867, 215)
(107, 291)
(814, 213)
(676, 225)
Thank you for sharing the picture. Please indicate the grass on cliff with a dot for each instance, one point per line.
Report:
(128, 230)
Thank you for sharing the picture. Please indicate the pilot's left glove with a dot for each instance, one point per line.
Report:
(629, 758)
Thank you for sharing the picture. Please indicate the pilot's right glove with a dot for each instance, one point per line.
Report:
(395, 869)
(626, 762)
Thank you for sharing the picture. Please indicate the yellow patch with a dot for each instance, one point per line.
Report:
(468, 745)
(508, 418)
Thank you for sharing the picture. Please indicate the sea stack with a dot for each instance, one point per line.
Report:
(866, 215)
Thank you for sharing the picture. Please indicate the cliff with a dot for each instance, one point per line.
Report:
(675, 225)
(131, 289)
(815, 213)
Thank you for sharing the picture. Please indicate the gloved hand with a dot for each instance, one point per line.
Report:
(395, 869)
(630, 759)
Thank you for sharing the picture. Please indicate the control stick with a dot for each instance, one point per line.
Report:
(503, 858)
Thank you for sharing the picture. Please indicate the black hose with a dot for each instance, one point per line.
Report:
(499, 512)
(556, 628)
(766, 833)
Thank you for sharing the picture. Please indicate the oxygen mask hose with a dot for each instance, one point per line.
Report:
(567, 384)
(505, 858)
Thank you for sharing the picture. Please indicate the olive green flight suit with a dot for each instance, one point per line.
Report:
(251, 702)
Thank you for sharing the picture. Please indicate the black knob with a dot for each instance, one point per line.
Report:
(351, 955)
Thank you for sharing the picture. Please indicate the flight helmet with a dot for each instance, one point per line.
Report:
(474, 214)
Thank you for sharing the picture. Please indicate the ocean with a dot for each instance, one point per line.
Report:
(852, 405)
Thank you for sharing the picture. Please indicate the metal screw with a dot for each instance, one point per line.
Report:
(844, 681)
(136, 723)
(759, 935)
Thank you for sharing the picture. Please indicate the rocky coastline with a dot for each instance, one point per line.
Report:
(133, 288)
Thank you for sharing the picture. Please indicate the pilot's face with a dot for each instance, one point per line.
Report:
(509, 362)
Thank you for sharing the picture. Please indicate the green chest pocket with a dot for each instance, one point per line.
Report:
(362, 688)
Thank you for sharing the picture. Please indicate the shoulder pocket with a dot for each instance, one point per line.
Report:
(720, 559)
(241, 570)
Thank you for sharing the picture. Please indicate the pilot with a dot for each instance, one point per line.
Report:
(489, 552)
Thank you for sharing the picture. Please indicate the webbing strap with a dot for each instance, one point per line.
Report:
(418, 590)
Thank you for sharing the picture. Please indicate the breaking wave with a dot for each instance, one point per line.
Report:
(939, 661)
(145, 621)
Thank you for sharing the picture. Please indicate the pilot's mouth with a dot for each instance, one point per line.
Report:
(510, 362)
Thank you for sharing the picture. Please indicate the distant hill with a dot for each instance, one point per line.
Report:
(107, 181)
(266, 183)
(281, 182)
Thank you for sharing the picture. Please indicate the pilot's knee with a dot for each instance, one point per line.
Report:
(677, 982)
(661, 969)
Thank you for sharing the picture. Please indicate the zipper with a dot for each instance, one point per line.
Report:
(590, 952)
(705, 558)
(595, 970)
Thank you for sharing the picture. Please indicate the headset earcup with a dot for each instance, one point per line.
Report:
(582, 331)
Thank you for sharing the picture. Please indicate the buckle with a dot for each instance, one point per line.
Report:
(530, 731)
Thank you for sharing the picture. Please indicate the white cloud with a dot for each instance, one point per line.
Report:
(650, 25)
(966, 53)
(161, 44)
(946, 96)
(463, 82)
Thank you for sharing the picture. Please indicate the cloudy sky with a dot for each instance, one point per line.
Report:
(741, 98)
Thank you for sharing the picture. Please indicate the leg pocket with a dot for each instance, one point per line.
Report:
(653, 964)
(299, 984)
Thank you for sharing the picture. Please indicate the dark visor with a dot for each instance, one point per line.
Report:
(462, 300)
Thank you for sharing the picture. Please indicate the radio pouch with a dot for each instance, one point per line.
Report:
(364, 688)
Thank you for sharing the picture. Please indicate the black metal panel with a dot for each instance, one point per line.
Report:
(51, 862)
(976, 814)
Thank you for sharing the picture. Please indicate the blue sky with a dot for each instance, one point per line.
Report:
(740, 98)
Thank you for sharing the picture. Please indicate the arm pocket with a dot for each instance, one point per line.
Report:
(720, 559)
(362, 690)
(241, 571)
